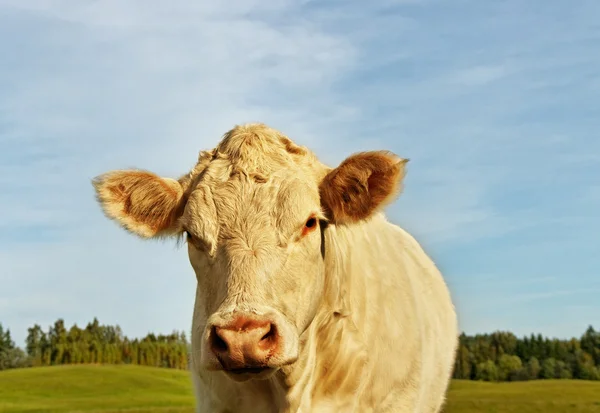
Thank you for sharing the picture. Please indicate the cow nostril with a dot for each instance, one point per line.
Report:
(218, 344)
(270, 336)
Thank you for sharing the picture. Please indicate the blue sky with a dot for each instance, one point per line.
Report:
(496, 104)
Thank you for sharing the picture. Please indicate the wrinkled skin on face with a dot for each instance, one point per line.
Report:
(259, 254)
(252, 211)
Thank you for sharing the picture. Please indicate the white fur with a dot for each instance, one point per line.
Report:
(368, 327)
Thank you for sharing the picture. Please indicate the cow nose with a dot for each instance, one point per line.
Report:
(245, 343)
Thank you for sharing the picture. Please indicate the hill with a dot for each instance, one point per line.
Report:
(136, 389)
(547, 396)
(92, 388)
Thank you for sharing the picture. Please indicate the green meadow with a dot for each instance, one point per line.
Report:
(537, 396)
(90, 388)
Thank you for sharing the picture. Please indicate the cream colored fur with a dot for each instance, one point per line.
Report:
(367, 327)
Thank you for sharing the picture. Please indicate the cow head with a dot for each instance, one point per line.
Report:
(253, 212)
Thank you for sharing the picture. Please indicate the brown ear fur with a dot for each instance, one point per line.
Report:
(362, 184)
(141, 202)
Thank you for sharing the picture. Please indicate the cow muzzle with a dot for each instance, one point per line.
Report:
(247, 346)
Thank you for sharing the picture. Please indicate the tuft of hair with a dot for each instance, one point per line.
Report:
(361, 185)
(256, 148)
(140, 201)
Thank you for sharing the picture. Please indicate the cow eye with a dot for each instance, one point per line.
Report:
(191, 239)
(198, 243)
(311, 223)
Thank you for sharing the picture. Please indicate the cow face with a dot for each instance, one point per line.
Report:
(256, 249)
(253, 213)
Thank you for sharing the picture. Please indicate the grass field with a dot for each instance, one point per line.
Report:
(143, 389)
(549, 396)
(95, 389)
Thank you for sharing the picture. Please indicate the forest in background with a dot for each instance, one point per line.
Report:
(499, 356)
(94, 344)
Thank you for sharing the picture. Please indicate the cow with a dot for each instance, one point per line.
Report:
(308, 298)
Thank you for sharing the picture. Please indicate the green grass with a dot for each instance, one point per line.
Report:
(103, 389)
(524, 397)
(134, 389)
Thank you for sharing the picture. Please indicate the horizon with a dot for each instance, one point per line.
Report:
(496, 116)
(83, 326)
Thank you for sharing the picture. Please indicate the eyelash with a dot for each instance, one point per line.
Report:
(196, 243)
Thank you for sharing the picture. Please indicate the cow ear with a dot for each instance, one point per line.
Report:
(141, 202)
(361, 185)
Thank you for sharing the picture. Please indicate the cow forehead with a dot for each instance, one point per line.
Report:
(256, 165)
(256, 179)
(241, 216)
(280, 202)
(261, 152)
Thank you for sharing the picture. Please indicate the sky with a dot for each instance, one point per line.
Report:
(497, 105)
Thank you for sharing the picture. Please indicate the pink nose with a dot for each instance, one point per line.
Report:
(245, 343)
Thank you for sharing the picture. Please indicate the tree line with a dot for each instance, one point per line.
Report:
(94, 344)
(500, 356)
